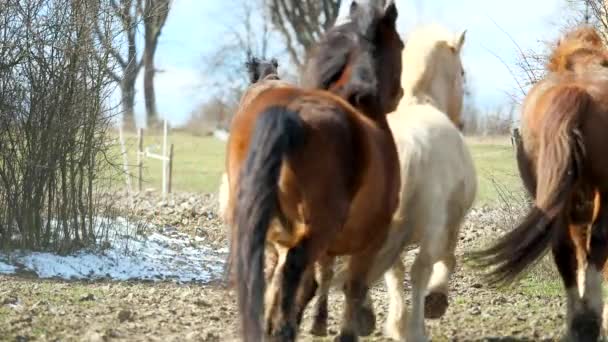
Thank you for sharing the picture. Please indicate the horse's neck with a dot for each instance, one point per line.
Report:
(424, 98)
(374, 113)
(434, 93)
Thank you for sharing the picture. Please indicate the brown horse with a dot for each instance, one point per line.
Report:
(263, 75)
(563, 165)
(260, 69)
(317, 174)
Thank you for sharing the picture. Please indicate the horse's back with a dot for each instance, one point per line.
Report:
(593, 123)
(436, 164)
(341, 166)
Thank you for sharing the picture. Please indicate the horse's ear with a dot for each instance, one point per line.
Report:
(390, 12)
(460, 40)
(252, 68)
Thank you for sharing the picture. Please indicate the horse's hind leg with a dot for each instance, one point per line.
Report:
(284, 319)
(587, 319)
(324, 273)
(358, 319)
(430, 249)
(306, 292)
(582, 279)
(397, 312)
(436, 301)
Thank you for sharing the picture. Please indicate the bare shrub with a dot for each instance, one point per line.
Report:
(54, 120)
(209, 116)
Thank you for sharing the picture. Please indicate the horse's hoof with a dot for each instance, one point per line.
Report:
(585, 327)
(287, 333)
(435, 305)
(319, 329)
(346, 337)
(366, 321)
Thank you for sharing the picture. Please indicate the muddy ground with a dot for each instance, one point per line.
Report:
(33, 309)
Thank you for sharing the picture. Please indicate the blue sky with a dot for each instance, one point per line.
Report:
(194, 29)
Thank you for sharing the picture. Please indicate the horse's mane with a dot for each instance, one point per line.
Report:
(420, 55)
(582, 40)
(340, 45)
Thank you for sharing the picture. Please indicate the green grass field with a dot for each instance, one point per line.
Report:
(199, 163)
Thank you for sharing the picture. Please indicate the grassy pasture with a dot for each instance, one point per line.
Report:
(199, 163)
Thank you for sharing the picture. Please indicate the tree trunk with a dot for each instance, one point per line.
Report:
(127, 89)
(149, 73)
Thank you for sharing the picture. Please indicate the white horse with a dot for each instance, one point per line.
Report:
(438, 178)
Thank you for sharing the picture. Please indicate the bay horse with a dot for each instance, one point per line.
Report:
(563, 166)
(438, 181)
(315, 173)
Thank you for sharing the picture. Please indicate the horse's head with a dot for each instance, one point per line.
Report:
(435, 72)
(360, 60)
(578, 49)
(260, 69)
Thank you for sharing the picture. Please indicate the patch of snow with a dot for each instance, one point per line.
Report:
(161, 255)
(6, 268)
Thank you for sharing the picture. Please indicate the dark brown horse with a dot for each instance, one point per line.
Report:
(317, 174)
(563, 164)
(260, 69)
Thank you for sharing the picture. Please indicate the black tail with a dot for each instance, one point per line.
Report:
(277, 132)
(560, 162)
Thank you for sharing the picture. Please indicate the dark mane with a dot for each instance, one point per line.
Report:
(344, 61)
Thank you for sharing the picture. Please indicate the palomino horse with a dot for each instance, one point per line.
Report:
(314, 175)
(438, 181)
(562, 163)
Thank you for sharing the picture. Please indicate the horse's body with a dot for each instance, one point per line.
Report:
(438, 180)
(315, 176)
(563, 164)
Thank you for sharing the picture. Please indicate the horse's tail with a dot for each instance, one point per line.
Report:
(560, 163)
(278, 131)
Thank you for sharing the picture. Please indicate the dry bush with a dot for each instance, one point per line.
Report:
(209, 116)
(54, 86)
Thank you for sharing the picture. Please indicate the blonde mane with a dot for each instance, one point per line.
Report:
(423, 79)
(581, 46)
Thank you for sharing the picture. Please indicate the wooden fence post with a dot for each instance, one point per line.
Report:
(125, 164)
(170, 175)
(165, 164)
(140, 158)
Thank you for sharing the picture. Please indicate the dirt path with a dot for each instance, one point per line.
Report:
(56, 310)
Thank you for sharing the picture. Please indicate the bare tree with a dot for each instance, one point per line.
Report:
(127, 15)
(594, 12)
(54, 86)
(302, 23)
(155, 16)
(248, 31)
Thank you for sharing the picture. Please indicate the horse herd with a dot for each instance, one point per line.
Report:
(365, 157)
